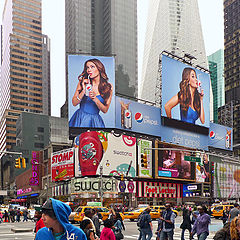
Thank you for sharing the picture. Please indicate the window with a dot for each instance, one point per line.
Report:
(40, 129)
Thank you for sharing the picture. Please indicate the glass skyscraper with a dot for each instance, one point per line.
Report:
(216, 67)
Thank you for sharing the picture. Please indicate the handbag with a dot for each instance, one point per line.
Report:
(118, 235)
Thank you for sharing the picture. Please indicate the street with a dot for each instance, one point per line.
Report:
(130, 233)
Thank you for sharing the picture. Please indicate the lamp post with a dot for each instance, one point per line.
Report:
(101, 183)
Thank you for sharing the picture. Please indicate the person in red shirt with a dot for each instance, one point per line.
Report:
(38, 217)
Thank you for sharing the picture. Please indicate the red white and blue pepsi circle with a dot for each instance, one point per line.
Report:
(138, 117)
(127, 114)
(212, 134)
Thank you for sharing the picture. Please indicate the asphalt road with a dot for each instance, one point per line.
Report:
(131, 232)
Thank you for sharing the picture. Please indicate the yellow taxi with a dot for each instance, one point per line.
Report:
(133, 215)
(161, 208)
(79, 212)
(217, 211)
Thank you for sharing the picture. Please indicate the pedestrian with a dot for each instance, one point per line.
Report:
(88, 214)
(25, 215)
(234, 212)
(168, 219)
(225, 215)
(38, 219)
(145, 225)
(96, 222)
(12, 215)
(87, 228)
(6, 216)
(1, 217)
(186, 224)
(55, 217)
(111, 214)
(107, 233)
(118, 226)
(159, 227)
(224, 233)
(18, 215)
(235, 229)
(201, 225)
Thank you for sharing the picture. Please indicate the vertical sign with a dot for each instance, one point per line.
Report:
(34, 180)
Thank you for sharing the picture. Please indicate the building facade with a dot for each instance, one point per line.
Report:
(216, 67)
(173, 26)
(105, 28)
(231, 61)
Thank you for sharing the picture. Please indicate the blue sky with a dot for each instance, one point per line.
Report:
(211, 13)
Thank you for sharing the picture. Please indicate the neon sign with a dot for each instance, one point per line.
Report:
(34, 180)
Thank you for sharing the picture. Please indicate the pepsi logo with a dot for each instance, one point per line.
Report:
(88, 88)
(138, 117)
(127, 114)
(212, 134)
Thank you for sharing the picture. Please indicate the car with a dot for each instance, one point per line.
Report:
(133, 215)
(79, 214)
(217, 211)
(161, 208)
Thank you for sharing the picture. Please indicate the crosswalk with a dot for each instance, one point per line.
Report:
(176, 236)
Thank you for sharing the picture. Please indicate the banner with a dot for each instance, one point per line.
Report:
(91, 91)
(114, 153)
(62, 164)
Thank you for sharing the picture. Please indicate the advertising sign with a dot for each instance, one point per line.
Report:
(220, 136)
(184, 138)
(145, 171)
(192, 190)
(62, 164)
(91, 91)
(137, 117)
(171, 164)
(159, 190)
(226, 180)
(202, 169)
(185, 92)
(34, 180)
(114, 153)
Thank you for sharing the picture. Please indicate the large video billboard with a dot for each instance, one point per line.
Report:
(137, 117)
(116, 154)
(91, 91)
(185, 92)
(203, 170)
(220, 136)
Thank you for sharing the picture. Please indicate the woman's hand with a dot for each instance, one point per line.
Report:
(92, 95)
(201, 95)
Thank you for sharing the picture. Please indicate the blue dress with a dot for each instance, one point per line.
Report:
(88, 114)
(191, 116)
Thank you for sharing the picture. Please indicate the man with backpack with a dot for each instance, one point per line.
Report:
(145, 225)
(168, 219)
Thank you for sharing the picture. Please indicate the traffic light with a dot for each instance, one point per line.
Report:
(18, 163)
(144, 161)
(23, 162)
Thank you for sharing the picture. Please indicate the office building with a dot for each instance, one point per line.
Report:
(173, 26)
(105, 28)
(216, 68)
(231, 62)
(24, 78)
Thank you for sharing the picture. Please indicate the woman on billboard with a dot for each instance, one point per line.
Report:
(93, 93)
(189, 98)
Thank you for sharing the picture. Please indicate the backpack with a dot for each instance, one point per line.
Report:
(141, 221)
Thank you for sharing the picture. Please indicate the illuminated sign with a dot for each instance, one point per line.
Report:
(22, 191)
(34, 180)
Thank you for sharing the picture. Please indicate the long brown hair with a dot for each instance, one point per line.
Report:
(104, 86)
(184, 95)
(233, 229)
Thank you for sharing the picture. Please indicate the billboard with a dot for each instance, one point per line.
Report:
(91, 91)
(220, 136)
(171, 164)
(145, 171)
(196, 190)
(62, 164)
(185, 92)
(137, 117)
(226, 180)
(115, 153)
(203, 170)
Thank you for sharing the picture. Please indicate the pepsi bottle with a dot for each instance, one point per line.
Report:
(127, 119)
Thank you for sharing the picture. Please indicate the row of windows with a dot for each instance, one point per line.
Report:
(26, 87)
(25, 110)
(26, 98)
(26, 18)
(26, 70)
(21, 10)
(26, 53)
(33, 3)
(26, 64)
(26, 30)
(9, 137)
(26, 25)
(27, 76)
(26, 59)
(29, 8)
(17, 32)
(27, 104)
(26, 41)
(27, 93)
(19, 45)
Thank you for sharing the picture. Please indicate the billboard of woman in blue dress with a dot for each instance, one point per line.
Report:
(188, 99)
(91, 97)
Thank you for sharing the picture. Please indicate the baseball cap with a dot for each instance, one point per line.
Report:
(47, 205)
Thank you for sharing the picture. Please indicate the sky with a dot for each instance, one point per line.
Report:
(211, 14)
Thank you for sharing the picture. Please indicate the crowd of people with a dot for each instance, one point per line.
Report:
(14, 215)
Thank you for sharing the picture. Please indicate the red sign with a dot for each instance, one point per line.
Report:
(62, 164)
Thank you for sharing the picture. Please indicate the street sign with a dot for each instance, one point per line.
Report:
(192, 159)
